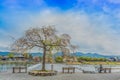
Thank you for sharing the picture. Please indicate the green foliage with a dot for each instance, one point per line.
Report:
(30, 56)
(59, 59)
(26, 55)
(11, 55)
(40, 57)
(91, 59)
(21, 63)
(0, 57)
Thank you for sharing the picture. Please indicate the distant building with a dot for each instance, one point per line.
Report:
(18, 57)
(114, 59)
(4, 58)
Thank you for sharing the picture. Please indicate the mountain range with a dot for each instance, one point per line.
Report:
(93, 55)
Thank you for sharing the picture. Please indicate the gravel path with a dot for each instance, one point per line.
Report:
(60, 76)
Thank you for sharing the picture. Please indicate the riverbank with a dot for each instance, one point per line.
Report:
(77, 76)
(94, 63)
(69, 63)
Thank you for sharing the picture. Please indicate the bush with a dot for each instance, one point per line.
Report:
(90, 59)
(59, 59)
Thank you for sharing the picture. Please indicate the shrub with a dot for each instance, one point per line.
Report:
(59, 59)
(90, 59)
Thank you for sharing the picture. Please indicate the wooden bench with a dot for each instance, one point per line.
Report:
(68, 70)
(20, 69)
(105, 70)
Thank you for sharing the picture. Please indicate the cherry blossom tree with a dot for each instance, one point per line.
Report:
(45, 38)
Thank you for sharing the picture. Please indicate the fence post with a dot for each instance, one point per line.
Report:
(51, 67)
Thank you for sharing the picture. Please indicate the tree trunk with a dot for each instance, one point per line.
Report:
(43, 63)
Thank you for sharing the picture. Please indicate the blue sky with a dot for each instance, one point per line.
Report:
(93, 24)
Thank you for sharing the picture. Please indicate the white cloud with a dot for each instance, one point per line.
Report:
(114, 1)
(108, 1)
(5, 39)
(93, 33)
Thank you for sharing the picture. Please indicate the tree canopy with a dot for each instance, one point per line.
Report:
(45, 38)
(42, 37)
